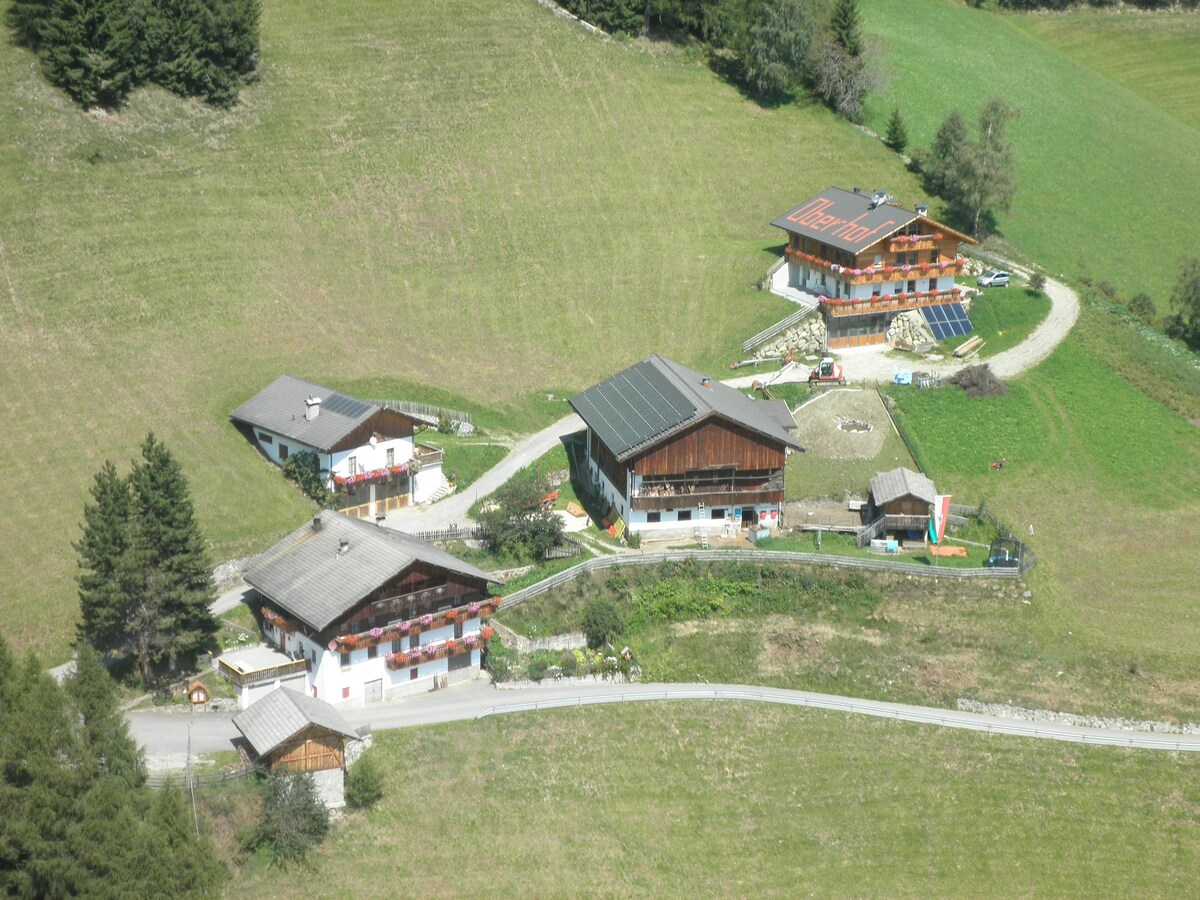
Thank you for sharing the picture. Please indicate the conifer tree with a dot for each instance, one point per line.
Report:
(26, 18)
(169, 615)
(946, 153)
(104, 731)
(86, 48)
(846, 25)
(102, 550)
(897, 134)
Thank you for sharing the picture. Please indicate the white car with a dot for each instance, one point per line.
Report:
(993, 278)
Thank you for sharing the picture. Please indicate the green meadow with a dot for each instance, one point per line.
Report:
(708, 799)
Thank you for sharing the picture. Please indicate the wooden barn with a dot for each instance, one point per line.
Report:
(673, 451)
(902, 502)
(869, 259)
(287, 730)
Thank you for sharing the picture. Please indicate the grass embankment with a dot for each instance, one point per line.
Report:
(895, 638)
(1105, 173)
(484, 214)
(688, 799)
(1003, 317)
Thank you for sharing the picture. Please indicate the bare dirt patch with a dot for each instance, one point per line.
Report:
(843, 424)
(788, 646)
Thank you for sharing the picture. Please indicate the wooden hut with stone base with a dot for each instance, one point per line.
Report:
(901, 503)
(288, 731)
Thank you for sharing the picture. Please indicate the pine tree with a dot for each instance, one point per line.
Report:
(946, 154)
(846, 25)
(87, 48)
(897, 134)
(102, 551)
(26, 18)
(169, 616)
(103, 729)
(778, 47)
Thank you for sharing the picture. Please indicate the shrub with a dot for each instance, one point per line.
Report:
(364, 783)
(1037, 281)
(536, 669)
(601, 621)
(1142, 307)
(304, 468)
(294, 820)
(569, 663)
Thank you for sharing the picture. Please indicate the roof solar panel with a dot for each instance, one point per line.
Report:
(947, 320)
(350, 407)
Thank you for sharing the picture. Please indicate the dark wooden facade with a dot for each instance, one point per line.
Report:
(713, 443)
(421, 588)
(313, 749)
(386, 423)
(907, 505)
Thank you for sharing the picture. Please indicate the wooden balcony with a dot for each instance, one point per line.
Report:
(406, 659)
(906, 244)
(428, 456)
(681, 493)
(710, 500)
(885, 303)
(245, 678)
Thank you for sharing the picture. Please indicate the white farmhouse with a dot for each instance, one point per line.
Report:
(371, 613)
(365, 449)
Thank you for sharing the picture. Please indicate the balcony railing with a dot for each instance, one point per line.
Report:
(872, 274)
(259, 676)
(887, 302)
(710, 500)
(428, 456)
(441, 650)
(693, 487)
(428, 622)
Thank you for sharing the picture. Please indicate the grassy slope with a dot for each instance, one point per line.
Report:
(497, 211)
(1105, 177)
(747, 800)
(1155, 56)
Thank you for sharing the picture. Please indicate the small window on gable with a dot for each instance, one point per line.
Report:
(352, 466)
(391, 456)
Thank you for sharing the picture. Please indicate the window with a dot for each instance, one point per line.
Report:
(875, 291)
(653, 518)
(414, 641)
(283, 451)
(352, 466)
(412, 674)
(345, 659)
(718, 512)
(685, 515)
(396, 645)
(266, 438)
(372, 651)
(879, 259)
(312, 657)
(912, 286)
(391, 456)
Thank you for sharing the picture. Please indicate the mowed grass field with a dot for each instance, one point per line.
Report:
(1155, 56)
(403, 205)
(1105, 167)
(687, 799)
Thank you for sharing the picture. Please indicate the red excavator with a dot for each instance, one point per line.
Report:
(827, 371)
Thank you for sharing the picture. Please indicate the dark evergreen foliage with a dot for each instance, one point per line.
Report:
(294, 820)
(99, 50)
(145, 583)
(602, 621)
(304, 468)
(846, 25)
(897, 133)
(77, 819)
(364, 783)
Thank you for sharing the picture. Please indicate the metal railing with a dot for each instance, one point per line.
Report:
(765, 557)
(780, 326)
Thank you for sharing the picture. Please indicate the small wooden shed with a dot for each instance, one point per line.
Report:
(902, 492)
(287, 730)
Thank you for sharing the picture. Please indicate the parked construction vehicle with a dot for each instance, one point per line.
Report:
(827, 371)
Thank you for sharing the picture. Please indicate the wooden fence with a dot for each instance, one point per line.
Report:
(425, 411)
(474, 533)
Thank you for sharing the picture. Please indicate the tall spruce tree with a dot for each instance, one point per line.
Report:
(778, 47)
(26, 18)
(169, 615)
(846, 25)
(103, 548)
(103, 730)
(946, 154)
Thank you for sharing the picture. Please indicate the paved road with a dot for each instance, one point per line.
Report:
(165, 735)
(453, 509)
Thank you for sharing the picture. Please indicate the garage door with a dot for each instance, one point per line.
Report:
(373, 691)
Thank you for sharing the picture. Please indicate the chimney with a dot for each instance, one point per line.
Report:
(316, 523)
(706, 382)
(922, 209)
(312, 408)
(343, 547)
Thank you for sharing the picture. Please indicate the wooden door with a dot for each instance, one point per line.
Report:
(373, 691)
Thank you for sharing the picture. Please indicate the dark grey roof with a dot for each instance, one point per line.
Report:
(269, 722)
(655, 398)
(280, 407)
(307, 575)
(901, 482)
(844, 219)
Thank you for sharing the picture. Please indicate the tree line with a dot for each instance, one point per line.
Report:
(79, 820)
(771, 47)
(98, 51)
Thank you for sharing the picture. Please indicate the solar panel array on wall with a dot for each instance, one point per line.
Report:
(947, 320)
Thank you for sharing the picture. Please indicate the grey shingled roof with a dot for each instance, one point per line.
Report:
(279, 407)
(656, 398)
(845, 220)
(901, 482)
(269, 722)
(306, 575)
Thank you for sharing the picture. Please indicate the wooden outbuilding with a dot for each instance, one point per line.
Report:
(287, 730)
(902, 501)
